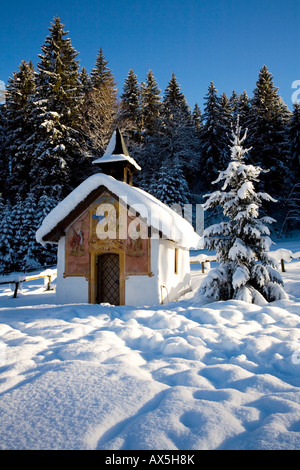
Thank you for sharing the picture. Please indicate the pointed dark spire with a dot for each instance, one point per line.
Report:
(120, 146)
(116, 160)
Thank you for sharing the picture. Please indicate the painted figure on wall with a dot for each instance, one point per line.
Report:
(77, 251)
(137, 246)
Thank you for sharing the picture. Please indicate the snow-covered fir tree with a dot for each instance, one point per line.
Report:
(170, 185)
(211, 146)
(149, 155)
(225, 127)
(294, 140)
(100, 106)
(246, 271)
(197, 118)
(267, 124)
(233, 103)
(292, 202)
(84, 80)
(18, 128)
(243, 110)
(8, 257)
(151, 104)
(130, 109)
(59, 160)
(3, 161)
(178, 136)
(36, 254)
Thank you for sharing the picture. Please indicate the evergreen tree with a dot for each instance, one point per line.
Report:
(58, 148)
(3, 161)
(18, 128)
(29, 227)
(242, 242)
(294, 140)
(267, 124)
(19, 237)
(211, 147)
(225, 125)
(7, 248)
(292, 201)
(243, 110)
(178, 132)
(130, 112)
(234, 105)
(197, 118)
(84, 80)
(151, 105)
(100, 106)
(149, 154)
(38, 255)
(170, 185)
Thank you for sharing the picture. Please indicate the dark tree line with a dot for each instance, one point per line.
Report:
(58, 118)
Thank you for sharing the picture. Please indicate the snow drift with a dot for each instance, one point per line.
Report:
(194, 375)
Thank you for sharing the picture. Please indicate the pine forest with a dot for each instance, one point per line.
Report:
(57, 118)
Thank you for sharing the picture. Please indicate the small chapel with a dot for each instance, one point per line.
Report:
(118, 244)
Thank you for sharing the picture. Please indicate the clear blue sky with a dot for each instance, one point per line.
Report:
(225, 41)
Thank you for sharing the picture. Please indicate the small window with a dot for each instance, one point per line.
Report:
(176, 261)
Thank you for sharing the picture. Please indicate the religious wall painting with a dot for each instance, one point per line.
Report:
(77, 247)
(137, 259)
(105, 218)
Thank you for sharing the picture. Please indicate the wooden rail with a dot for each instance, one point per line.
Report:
(29, 278)
(202, 259)
(282, 256)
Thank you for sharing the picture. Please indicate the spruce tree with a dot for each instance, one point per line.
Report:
(178, 132)
(19, 237)
(211, 147)
(29, 227)
(243, 110)
(149, 154)
(170, 185)
(292, 201)
(294, 140)
(100, 106)
(18, 129)
(84, 80)
(7, 248)
(225, 129)
(151, 105)
(3, 160)
(234, 104)
(130, 112)
(36, 254)
(59, 160)
(246, 271)
(267, 126)
(197, 118)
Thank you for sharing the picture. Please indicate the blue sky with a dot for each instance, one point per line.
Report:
(225, 41)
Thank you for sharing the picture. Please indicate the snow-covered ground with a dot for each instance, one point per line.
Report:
(187, 375)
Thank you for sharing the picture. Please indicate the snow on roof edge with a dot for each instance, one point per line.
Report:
(157, 214)
(117, 158)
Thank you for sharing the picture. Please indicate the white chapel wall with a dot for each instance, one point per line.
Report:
(143, 290)
(73, 289)
(172, 284)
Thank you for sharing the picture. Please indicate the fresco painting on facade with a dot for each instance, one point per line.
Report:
(77, 247)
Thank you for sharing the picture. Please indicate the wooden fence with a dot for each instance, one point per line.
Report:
(20, 278)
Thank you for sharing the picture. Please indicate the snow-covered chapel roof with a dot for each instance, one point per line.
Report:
(116, 151)
(155, 213)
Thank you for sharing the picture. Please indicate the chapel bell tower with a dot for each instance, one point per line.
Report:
(116, 160)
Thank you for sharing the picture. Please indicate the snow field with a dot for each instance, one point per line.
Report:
(187, 375)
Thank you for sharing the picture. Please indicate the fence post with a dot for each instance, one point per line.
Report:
(49, 283)
(16, 289)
